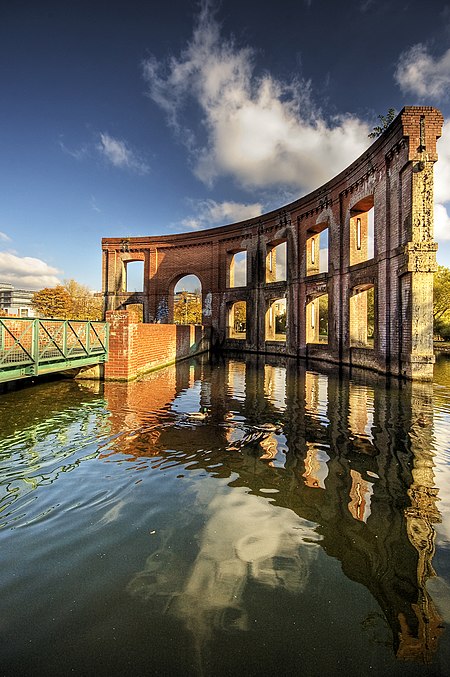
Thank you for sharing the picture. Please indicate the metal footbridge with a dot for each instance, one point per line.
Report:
(33, 347)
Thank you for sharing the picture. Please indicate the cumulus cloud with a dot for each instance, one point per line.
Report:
(25, 272)
(117, 153)
(420, 73)
(255, 128)
(208, 213)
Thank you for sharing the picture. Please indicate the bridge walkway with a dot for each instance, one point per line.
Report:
(34, 346)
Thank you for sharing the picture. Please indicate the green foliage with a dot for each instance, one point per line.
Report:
(240, 311)
(441, 303)
(323, 315)
(370, 312)
(280, 323)
(385, 122)
(69, 301)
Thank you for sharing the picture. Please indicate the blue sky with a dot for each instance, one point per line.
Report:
(145, 118)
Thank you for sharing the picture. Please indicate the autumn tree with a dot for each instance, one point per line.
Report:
(85, 305)
(187, 308)
(69, 301)
(52, 302)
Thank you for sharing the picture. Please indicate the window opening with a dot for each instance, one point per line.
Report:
(187, 301)
(317, 250)
(237, 327)
(317, 320)
(134, 273)
(276, 263)
(362, 317)
(362, 231)
(276, 324)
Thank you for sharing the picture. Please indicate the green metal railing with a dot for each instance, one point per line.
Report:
(30, 347)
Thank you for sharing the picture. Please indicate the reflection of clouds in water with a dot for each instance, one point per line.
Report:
(245, 538)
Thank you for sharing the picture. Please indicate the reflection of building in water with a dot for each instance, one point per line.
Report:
(360, 495)
(236, 380)
(316, 396)
(316, 468)
(421, 642)
(275, 385)
(360, 417)
(367, 488)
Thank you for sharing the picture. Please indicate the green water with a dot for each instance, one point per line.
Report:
(137, 539)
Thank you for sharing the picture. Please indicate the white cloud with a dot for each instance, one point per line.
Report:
(25, 272)
(4, 237)
(116, 152)
(209, 213)
(259, 130)
(77, 153)
(94, 205)
(441, 223)
(442, 186)
(418, 72)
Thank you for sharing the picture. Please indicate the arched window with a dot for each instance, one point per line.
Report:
(362, 242)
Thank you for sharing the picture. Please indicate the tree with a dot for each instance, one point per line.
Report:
(385, 122)
(441, 302)
(52, 302)
(187, 308)
(85, 305)
(69, 301)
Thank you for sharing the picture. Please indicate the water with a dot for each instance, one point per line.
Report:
(136, 538)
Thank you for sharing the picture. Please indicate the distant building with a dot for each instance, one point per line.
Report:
(16, 301)
(190, 296)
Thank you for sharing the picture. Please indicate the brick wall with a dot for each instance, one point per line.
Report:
(136, 348)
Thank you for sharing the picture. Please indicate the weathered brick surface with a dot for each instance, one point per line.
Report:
(135, 347)
(395, 175)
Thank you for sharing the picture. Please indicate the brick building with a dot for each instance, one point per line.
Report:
(351, 264)
(16, 301)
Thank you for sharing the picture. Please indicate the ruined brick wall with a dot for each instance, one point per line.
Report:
(136, 348)
(394, 180)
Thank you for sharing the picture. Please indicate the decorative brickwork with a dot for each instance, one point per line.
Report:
(395, 178)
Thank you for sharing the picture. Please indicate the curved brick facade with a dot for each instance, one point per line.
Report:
(393, 180)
